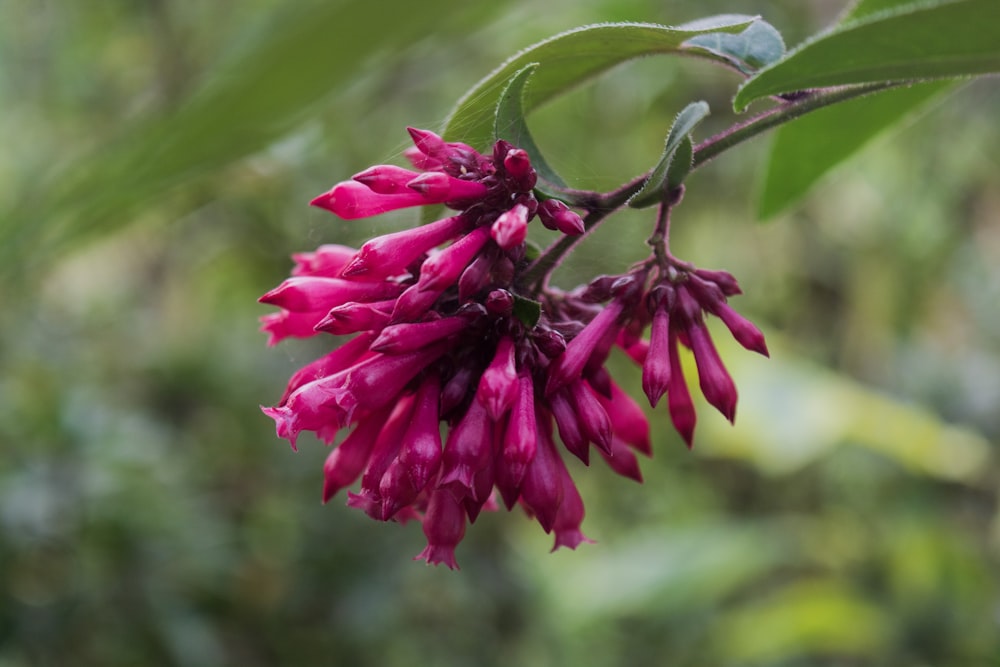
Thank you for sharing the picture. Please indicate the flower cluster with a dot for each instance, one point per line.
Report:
(445, 331)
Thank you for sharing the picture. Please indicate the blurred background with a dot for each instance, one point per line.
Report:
(158, 157)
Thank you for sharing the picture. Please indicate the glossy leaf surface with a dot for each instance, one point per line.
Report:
(950, 39)
(569, 59)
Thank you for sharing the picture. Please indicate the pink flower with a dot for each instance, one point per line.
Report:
(569, 516)
(444, 527)
(391, 254)
(542, 488)
(678, 306)
(520, 442)
(306, 294)
(556, 215)
(469, 450)
(656, 365)
(353, 317)
(570, 363)
(498, 386)
(445, 331)
(286, 324)
(511, 228)
(346, 462)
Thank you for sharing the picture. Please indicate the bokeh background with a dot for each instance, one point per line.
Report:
(157, 157)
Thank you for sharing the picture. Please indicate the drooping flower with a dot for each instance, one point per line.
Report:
(678, 306)
(446, 332)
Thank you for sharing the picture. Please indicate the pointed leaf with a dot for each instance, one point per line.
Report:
(527, 310)
(680, 165)
(757, 46)
(947, 39)
(509, 124)
(804, 150)
(657, 184)
(569, 59)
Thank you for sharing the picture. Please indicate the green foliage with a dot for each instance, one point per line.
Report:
(758, 46)
(568, 59)
(675, 161)
(939, 40)
(527, 310)
(804, 150)
(509, 124)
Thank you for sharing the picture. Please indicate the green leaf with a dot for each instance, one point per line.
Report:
(509, 124)
(804, 150)
(569, 59)
(757, 46)
(528, 311)
(680, 165)
(659, 180)
(864, 8)
(948, 39)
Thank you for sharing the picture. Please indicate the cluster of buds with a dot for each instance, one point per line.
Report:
(674, 310)
(444, 331)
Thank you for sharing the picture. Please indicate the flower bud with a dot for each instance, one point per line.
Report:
(679, 402)
(440, 187)
(498, 385)
(628, 421)
(622, 460)
(725, 280)
(444, 528)
(570, 515)
(351, 200)
(500, 303)
(568, 423)
(386, 179)
(420, 452)
(549, 342)
(656, 368)
(353, 317)
(391, 254)
(311, 293)
(442, 269)
(594, 423)
(511, 228)
(556, 215)
(327, 260)
(520, 441)
(401, 338)
(570, 364)
(542, 489)
(520, 174)
(715, 382)
(385, 451)
(348, 459)
(468, 450)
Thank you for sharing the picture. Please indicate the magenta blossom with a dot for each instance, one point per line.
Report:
(448, 330)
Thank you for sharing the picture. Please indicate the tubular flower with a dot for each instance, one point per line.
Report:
(446, 329)
(678, 306)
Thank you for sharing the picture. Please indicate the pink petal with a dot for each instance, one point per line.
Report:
(498, 385)
(352, 200)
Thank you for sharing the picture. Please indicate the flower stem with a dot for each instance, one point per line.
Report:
(737, 134)
(599, 206)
